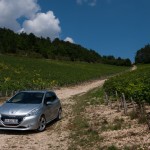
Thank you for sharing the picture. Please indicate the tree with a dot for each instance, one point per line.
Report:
(143, 55)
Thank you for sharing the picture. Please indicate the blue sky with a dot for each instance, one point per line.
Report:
(110, 27)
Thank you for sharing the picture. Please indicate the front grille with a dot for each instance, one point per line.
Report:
(19, 118)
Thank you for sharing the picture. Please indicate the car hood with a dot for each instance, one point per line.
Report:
(17, 109)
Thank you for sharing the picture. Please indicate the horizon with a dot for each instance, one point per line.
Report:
(110, 27)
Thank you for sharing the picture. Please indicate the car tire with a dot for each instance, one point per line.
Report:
(59, 115)
(42, 124)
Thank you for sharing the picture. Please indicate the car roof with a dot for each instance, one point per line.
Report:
(37, 91)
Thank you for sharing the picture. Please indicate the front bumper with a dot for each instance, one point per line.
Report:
(28, 123)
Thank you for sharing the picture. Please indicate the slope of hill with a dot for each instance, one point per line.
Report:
(32, 46)
(25, 73)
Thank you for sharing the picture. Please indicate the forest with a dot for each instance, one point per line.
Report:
(29, 45)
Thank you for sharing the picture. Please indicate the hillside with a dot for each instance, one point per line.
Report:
(31, 46)
(19, 73)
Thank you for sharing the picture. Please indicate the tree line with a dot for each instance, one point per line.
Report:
(143, 55)
(32, 46)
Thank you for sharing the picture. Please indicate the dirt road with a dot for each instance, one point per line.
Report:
(65, 93)
(56, 136)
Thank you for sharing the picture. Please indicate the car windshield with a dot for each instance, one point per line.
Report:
(27, 98)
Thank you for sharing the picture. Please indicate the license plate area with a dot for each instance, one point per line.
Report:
(11, 121)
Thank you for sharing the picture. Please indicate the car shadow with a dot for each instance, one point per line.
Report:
(14, 132)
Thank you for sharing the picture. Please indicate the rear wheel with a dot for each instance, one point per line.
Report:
(42, 124)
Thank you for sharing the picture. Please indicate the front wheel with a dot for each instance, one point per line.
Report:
(59, 116)
(42, 124)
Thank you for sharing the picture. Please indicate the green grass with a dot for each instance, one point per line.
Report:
(115, 125)
(18, 73)
(112, 148)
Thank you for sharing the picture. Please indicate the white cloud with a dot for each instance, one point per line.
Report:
(93, 3)
(11, 10)
(69, 39)
(89, 2)
(43, 24)
(79, 2)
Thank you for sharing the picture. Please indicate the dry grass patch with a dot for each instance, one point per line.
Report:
(118, 131)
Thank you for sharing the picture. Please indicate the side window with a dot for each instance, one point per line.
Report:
(50, 97)
(54, 96)
(47, 97)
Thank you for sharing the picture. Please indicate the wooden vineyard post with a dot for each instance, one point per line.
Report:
(121, 99)
(134, 109)
(124, 104)
(0, 95)
(12, 93)
(118, 102)
(106, 99)
(148, 120)
(110, 103)
(142, 109)
(6, 94)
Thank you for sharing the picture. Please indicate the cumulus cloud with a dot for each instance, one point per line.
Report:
(11, 10)
(41, 24)
(89, 2)
(69, 39)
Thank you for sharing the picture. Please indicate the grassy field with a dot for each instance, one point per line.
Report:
(17, 73)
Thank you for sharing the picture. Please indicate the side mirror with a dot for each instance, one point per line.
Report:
(48, 103)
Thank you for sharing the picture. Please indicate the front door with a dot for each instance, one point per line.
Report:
(51, 104)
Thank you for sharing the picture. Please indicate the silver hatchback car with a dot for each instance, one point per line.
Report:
(30, 110)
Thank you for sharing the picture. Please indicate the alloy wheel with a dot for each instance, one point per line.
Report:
(42, 124)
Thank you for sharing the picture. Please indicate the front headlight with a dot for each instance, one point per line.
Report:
(33, 112)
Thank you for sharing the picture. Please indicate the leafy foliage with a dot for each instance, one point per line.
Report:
(134, 84)
(18, 73)
(116, 61)
(32, 46)
(143, 55)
